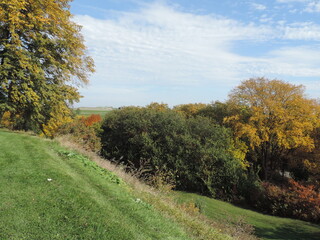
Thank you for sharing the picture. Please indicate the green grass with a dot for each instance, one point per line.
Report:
(82, 201)
(266, 227)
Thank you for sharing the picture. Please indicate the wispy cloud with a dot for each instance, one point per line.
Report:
(302, 31)
(159, 53)
(162, 44)
(258, 6)
(302, 61)
(313, 7)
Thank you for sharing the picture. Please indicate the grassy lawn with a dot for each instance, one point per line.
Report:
(50, 193)
(266, 227)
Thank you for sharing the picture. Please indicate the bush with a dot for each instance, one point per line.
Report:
(81, 133)
(291, 199)
(194, 151)
(92, 119)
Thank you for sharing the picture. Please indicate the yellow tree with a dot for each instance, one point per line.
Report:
(158, 106)
(279, 118)
(190, 110)
(42, 61)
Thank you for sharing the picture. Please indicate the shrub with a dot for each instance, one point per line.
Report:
(92, 119)
(291, 200)
(193, 151)
(81, 133)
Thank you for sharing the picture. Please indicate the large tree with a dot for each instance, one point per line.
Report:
(42, 62)
(277, 119)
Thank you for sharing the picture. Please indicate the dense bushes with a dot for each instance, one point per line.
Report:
(83, 131)
(291, 199)
(195, 150)
(194, 154)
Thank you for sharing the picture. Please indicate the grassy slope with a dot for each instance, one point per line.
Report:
(81, 201)
(266, 227)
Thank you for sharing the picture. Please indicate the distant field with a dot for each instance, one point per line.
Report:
(88, 111)
(266, 227)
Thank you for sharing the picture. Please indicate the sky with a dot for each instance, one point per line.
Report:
(192, 51)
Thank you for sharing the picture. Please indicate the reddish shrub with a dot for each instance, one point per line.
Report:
(291, 200)
(92, 119)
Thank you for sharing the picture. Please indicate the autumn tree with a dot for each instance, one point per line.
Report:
(158, 106)
(278, 119)
(42, 62)
(305, 165)
(189, 110)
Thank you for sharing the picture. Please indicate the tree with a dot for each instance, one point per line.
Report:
(197, 154)
(158, 106)
(190, 110)
(42, 61)
(278, 119)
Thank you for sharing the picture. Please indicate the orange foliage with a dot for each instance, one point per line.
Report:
(92, 119)
(292, 200)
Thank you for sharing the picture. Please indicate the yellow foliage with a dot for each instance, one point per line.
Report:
(5, 120)
(59, 117)
(190, 109)
(280, 118)
(280, 114)
(45, 58)
(239, 151)
(313, 167)
(158, 106)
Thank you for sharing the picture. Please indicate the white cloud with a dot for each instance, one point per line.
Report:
(160, 53)
(313, 7)
(258, 6)
(166, 46)
(300, 61)
(302, 31)
(266, 19)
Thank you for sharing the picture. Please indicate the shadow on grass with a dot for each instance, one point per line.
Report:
(290, 232)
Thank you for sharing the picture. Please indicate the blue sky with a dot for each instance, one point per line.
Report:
(192, 51)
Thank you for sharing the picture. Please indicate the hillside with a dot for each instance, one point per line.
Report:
(47, 192)
(265, 226)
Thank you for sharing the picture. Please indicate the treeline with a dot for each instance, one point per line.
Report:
(260, 147)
